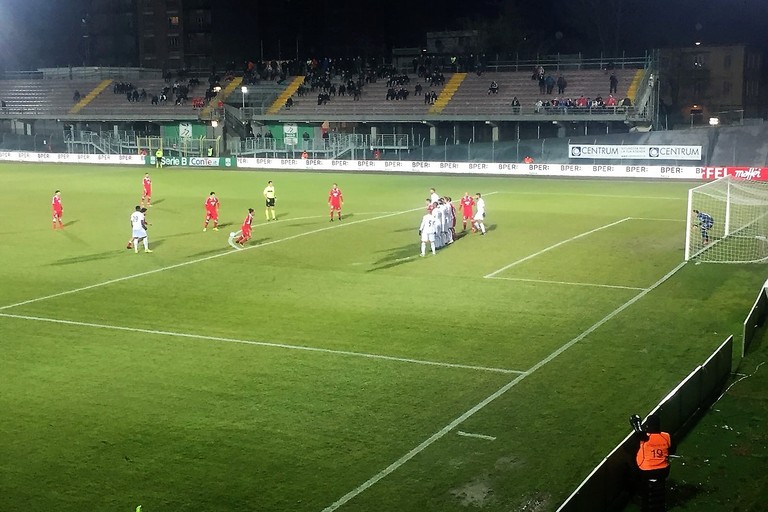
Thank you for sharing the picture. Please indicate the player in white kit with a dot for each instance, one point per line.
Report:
(139, 227)
(478, 221)
(427, 232)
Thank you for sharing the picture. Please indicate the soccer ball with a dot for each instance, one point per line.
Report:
(232, 234)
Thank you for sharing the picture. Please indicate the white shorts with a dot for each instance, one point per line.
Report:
(140, 233)
(479, 216)
(427, 237)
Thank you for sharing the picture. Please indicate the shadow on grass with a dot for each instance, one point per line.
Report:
(209, 253)
(73, 237)
(71, 223)
(89, 257)
(396, 257)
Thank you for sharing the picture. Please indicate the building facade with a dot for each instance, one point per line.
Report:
(701, 82)
(162, 34)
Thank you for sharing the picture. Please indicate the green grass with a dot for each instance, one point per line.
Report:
(176, 389)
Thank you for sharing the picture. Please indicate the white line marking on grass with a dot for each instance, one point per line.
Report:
(554, 246)
(568, 283)
(501, 391)
(476, 436)
(261, 344)
(200, 260)
(213, 256)
(609, 196)
(658, 220)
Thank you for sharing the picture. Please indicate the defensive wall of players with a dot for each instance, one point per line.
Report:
(407, 166)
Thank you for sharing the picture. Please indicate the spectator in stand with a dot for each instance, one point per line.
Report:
(614, 84)
(550, 81)
(515, 105)
(626, 102)
(611, 101)
(76, 96)
(581, 101)
(493, 88)
(542, 85)
(561, 84)
(417, 90)
(289, 103)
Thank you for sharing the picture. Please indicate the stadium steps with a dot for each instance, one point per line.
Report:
(635, 84)
(109, 103)
(287, 93)
(205, 113)
(447, 93)
(472, 97)
(85, 100)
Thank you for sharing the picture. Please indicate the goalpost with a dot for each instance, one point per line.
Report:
(731, 225)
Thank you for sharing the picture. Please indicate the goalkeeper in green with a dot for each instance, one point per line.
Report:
(704, 223)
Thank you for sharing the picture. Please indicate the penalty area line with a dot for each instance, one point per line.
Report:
(476, 436)
(260, 344)
(568, 283)
(555, 246)
(498, 393)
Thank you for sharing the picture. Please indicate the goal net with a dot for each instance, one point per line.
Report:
(728, 222)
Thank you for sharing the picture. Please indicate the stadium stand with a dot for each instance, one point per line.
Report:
(46, 98)
(467, 94)
(472, 96)
(372, 100)
(109, 103)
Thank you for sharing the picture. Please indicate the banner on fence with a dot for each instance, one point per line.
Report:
(75, 158)
(409, 166)
(634, 152)
(194, 161)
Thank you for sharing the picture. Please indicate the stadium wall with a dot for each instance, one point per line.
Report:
(608, 486)
(755, 319)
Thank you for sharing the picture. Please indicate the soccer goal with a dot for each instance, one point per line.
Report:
(727, 222)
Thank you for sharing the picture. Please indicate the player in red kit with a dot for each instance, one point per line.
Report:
(146, 196)
(467, 203)
(212, 212)
(335, 200)
(58, 210)
(245, 229)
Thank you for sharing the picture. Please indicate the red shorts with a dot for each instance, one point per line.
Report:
(57, 213)
(147, 191)
(246, 231)
(212, 214)
(467, 214)
(335, 206)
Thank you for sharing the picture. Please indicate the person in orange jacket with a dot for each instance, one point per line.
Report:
(652, 459)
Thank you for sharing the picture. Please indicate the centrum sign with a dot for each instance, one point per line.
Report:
(634, 152)
(194, 161)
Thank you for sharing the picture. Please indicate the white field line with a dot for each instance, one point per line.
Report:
(213, 256)
(567, 283)
(658, 220)
(501, 391)
(476, 436)
(206, 258)
(554, 246)
(609, 196)
(291, 219)
(261, 344)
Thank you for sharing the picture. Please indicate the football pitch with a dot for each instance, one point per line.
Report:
(327, 366)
